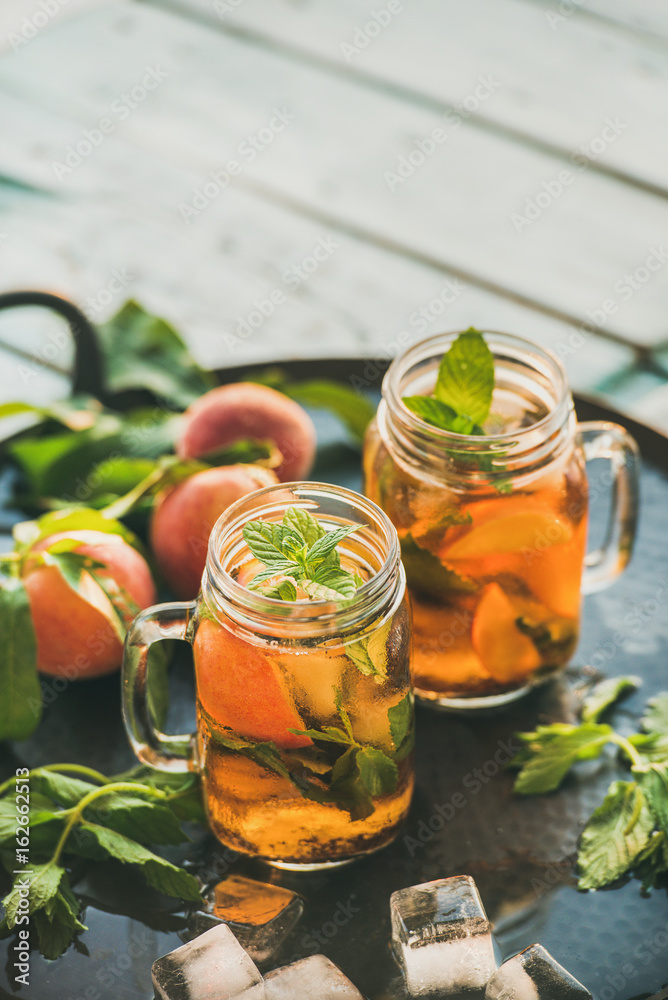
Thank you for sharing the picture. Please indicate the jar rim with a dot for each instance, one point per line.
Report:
(313, 615)
(426, 348)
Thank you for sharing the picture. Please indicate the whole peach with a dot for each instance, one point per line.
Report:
(184, 516)
(75, 631)
(247, 410)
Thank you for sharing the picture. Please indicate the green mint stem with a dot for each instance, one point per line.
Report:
(628, 748)
(76, 769)
(35, 772)
(96, 793)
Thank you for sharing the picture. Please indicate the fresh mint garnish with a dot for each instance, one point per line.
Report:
(369, 654)
(655, 719)
(432, 411)
(337, 769)
(605, 694)
(427, 575)
(361, 773)
(300, 554)
(463, 392)
(96, 819)
(614, 837)
(628, 833)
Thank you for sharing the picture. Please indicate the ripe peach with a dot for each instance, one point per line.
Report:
(184, 516)
(247, 410)
(76, 633)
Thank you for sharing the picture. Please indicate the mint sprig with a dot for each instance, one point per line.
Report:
(338, 768)
(628, 833)
(301, 553)
(96, 818)
(463, 392)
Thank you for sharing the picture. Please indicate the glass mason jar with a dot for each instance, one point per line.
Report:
(493, 529)
(304, 708)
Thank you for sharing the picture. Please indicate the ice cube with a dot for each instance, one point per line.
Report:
(260, 915)
(313, 978)
(442, 937)
(212, 967)
(534, 975)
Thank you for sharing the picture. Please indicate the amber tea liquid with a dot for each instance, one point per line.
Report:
(494, 572)
(252, 693)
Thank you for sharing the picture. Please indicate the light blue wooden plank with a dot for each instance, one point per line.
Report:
(332, 163)
(561, 77)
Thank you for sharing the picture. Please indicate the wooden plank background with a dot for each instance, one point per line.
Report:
(554, 110)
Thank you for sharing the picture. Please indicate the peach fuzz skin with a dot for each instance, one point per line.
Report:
(183, 518)
(246, 410)
(75, 636)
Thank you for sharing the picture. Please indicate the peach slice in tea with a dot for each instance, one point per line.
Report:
(507, 653)
(555, 575)
(239, 687)
(514, 524)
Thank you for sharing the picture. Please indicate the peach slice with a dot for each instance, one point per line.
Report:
(555, 575)
(509, 524)
(239, 687)
(507, 653)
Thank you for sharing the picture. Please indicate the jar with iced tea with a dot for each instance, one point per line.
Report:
(492, 518)
(301, 638)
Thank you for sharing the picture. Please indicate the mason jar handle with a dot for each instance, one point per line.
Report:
(152, 747)
(601, 439)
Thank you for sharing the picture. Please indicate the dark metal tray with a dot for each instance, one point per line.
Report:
(464, 819)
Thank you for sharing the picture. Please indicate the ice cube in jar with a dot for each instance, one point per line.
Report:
(212, 967)
(442, 937)
(534, 975)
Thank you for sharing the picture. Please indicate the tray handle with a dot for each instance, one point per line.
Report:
(86, 375)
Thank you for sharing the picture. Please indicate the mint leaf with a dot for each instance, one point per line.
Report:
(402, 730)
(266, 540)
(347, 789)
(427, 575)
(328, 734)
(162, 875)
(654, 784)
(336, 579)
(551, 751)
(369, 654)
(466, 377)
(321, 549)
(343, 714)
(43, 886)
(655, 719)
(303, 550)
(60, 788)
(614, 836)
(651, 865)
(433, 412)
(21, 700)
(287, 591)
(57, 929)
(605, 694)
(378, 773)
(303, 524)
(265, 754)
(148, 822)
(653, 746)
(283, 567)
(318, 592)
